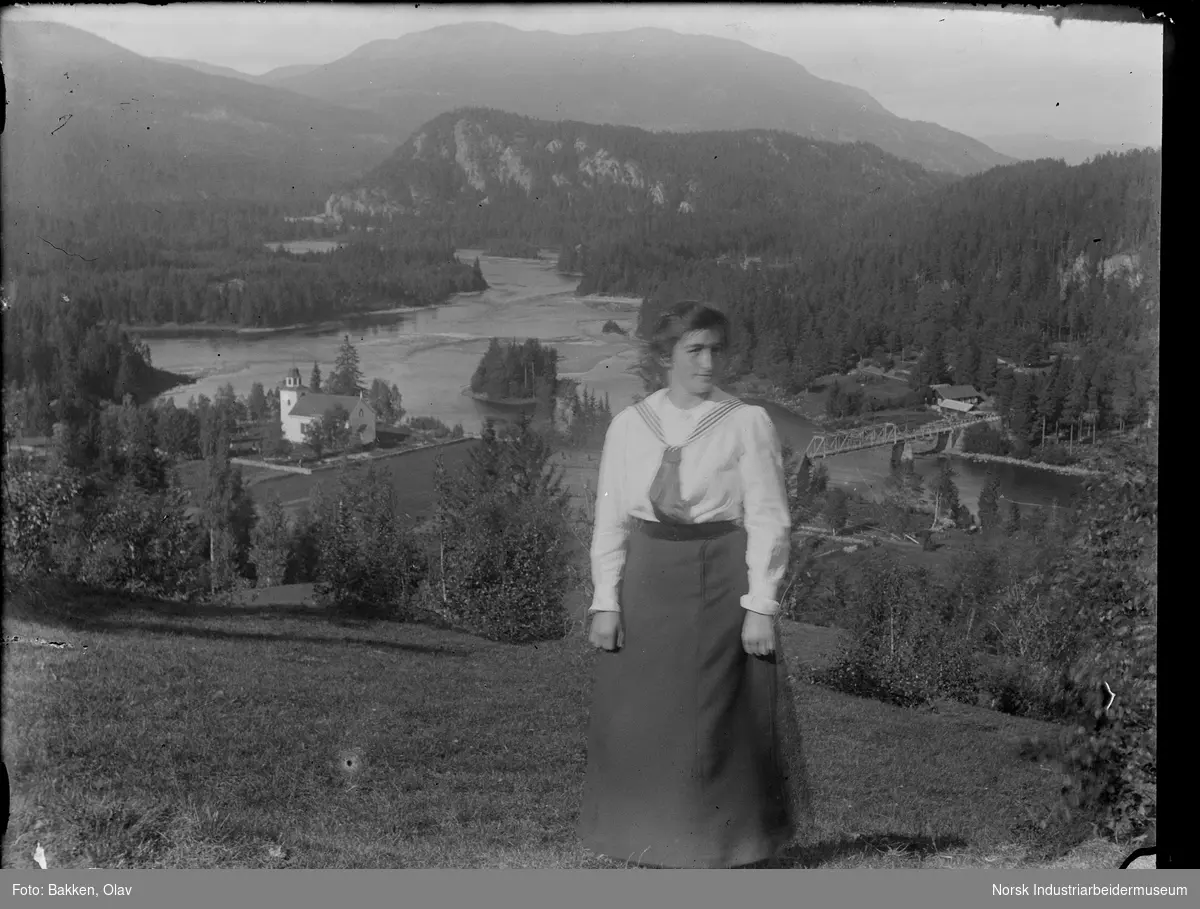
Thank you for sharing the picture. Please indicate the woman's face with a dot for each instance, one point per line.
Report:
(697, 362)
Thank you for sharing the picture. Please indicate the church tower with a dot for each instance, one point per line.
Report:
(291, 391)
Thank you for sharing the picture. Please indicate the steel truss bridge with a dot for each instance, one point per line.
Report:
(889, 435)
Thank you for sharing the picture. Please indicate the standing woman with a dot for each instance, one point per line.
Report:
(686, 766)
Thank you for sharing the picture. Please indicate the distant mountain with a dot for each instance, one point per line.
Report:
(210, 68)
(649, 78)
(89, 123)
(271, 77)
(482, 173)
(1033, 146)
(274, 76)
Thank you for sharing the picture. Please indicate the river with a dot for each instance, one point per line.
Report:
(430, 354)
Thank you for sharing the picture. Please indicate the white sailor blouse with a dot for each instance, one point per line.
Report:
(730, 468)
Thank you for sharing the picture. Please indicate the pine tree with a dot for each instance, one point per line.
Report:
(346, 378)
(490, 378)
(1122, 400)
(271, 543)
(989, 504)
(396, 402)
(1022, 410)
(1012, 523)
(946, 490)
(256, 404)
(386, 402)
(931, 367)
(314, 379)
(227, 515)
(966, 361)
(1077, 399)
(1005, 387)
(837, 510)
(985, 374)
(144, 464)
(273, 442)
(1049, 405)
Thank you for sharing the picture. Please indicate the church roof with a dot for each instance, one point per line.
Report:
(315, 405)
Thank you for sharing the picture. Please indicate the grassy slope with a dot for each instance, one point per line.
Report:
(209, 737)
(196, 738)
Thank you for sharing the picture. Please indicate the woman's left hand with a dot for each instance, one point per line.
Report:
(758, 634)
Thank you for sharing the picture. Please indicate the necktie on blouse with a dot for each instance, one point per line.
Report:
(666, 497)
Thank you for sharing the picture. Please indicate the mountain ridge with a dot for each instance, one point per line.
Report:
(647, 78)
(481, 172)
(1032, 146)
(117, 126)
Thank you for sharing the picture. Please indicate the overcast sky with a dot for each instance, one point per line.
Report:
(978, 71)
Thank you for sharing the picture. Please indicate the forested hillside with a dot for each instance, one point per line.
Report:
(252, 287)
(991, 281)
(1010, 261)
(480, 174)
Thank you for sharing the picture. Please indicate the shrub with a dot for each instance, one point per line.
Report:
(271, 544)
(502, 524)
(304, 549)
(1032, 639)
(816, 591)
(1109, 581)
(900, 651)
(1054, 454)
(123, 539)
(430, 425)
(135, 541)
(983, 439)
(37, 508)
(837, 509)
(367, 564)
(1023, 687)
(1019, 448)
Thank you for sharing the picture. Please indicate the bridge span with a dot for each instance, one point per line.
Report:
(886, 435)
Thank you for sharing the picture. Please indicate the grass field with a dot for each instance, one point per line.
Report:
(411, 475)
(170, 736)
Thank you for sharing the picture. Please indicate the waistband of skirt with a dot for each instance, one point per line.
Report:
(709, 530)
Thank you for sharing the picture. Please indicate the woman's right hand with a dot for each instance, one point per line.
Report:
(608, 631)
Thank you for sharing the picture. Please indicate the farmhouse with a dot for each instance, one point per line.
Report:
(299, 406)
(956, 398)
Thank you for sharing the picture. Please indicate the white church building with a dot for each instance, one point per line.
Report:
(299, 406)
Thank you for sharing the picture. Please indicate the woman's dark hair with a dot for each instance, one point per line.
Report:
(683, 318)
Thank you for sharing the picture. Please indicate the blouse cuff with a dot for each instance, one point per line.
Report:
(603, 604)
(760, 604)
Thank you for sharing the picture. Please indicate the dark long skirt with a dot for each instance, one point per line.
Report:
(685, 765)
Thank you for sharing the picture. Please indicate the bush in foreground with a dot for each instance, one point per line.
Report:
(501, 567)
(123, 538)
(900, 650)
(367, 563)
(1111, 581)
